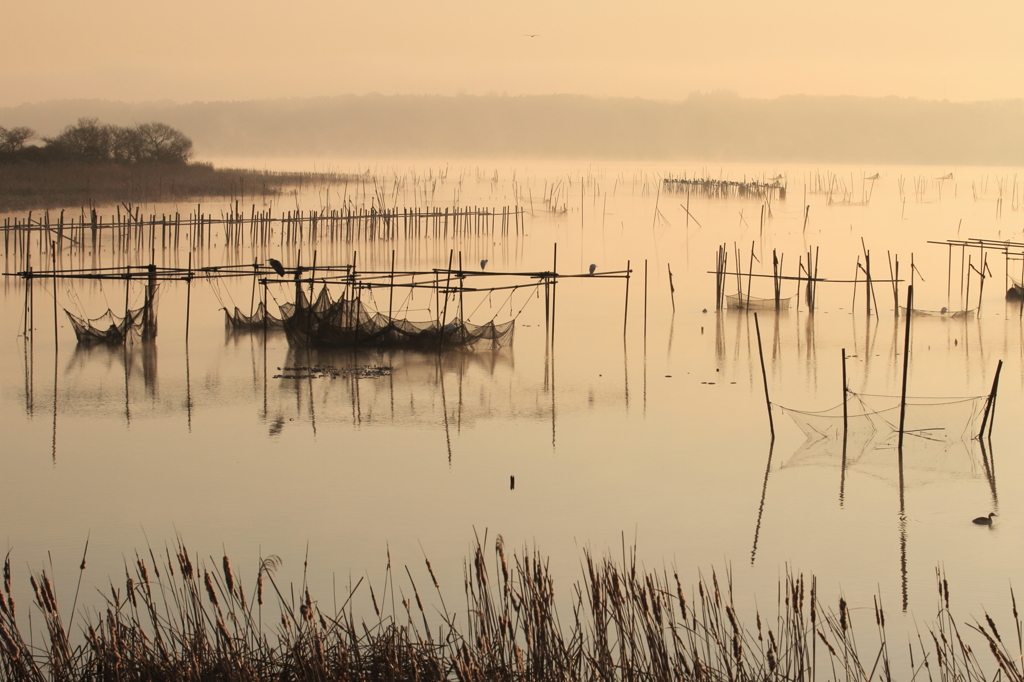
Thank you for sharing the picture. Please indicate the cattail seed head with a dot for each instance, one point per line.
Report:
(209, 589)
(229, 579)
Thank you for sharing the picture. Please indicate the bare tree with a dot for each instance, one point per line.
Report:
(88, 139)
(14, 139)
(163, 144)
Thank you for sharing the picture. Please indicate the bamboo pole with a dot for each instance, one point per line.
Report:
(764, 377)
(906, 369)
(991, 403)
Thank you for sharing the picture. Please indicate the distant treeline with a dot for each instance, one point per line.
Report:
(713, 127)
(95, 142)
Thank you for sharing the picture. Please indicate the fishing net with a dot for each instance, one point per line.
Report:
(259, 319)
(747, 302)
(938, 437)
(112, 329)
(108, 328)
(942, 313)
(876, 419)
(345, 322)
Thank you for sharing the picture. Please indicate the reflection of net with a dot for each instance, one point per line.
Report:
(875, 419)
(747, 302)
(345, 323)
(239, 321)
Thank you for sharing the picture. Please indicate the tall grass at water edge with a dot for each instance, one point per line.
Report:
(177, 618)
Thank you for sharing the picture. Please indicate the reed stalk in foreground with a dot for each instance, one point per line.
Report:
(173, 619)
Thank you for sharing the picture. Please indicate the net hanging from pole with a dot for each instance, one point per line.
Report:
(113, 329)
(347, 322)
(875, 419)
(748, 302)
(239, 321)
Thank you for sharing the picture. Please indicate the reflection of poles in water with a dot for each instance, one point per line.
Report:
(29, 377)
(903, 558)
(645, 302)
(554, 432)
(53, 453)
(671, 332)
(188, 390)
(554, 297)
(720, 336)
(625, 313)
(988, 460)
(127, 373)
(645, 342)
(764, 493)
(148, 317)
(846, 418)
(149, 376)
(444, 410)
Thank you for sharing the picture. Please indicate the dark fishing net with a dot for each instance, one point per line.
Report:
(108, 328)
(259, 319)
(113, 329)
(345, 322)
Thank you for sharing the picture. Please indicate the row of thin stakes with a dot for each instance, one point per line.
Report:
(725, 189)
(128, 230)
(182, 619)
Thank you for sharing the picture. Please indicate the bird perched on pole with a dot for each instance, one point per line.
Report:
(593, 266)
(276, 264)
(483, 264)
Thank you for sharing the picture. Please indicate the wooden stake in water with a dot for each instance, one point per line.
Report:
(764, 377)
(991, 403)
(906, 368)
(188, 296)
(671, 288)
(53, 246)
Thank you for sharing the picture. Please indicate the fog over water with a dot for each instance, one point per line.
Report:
(655, 436)
(635, 415)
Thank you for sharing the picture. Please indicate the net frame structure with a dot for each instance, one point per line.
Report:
(347, 322)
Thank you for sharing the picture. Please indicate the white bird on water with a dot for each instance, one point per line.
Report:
(593, 266)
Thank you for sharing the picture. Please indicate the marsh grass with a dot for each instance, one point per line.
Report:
(176, 619)
(66, 184)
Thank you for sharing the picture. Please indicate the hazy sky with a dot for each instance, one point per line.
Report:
(190, 50)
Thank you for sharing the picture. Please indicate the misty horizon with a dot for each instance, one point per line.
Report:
(716, 126)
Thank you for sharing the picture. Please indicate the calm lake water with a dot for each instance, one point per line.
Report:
(653, 437)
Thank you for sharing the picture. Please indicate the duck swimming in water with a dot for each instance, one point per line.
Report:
(985, 520)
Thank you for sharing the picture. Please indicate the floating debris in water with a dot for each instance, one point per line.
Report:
(332, 372)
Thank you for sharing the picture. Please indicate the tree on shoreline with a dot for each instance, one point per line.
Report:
(14, 140)
(91, 141)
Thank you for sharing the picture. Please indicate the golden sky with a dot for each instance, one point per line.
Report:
(192, 50)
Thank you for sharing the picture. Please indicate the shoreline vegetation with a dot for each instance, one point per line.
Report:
(179, 618)
(91, 164)
(32, 186)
